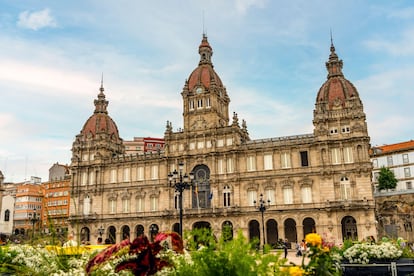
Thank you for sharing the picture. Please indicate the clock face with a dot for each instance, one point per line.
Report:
(199, 90)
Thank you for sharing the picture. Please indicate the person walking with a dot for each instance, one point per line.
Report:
(285, 247)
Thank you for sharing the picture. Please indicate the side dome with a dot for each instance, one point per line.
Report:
(337, 90)
(100, 121)
(204, 75)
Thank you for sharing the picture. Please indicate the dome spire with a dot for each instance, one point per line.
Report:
(205, 51)
(101, 103)
(334, 64)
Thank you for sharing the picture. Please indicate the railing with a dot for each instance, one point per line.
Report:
(398, 268)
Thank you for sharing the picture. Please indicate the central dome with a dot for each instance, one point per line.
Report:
(204, 75)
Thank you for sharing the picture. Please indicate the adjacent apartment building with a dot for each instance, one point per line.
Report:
(395, 208)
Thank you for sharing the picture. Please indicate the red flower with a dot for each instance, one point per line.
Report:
(146, 262)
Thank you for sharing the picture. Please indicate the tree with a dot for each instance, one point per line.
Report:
(386, 179)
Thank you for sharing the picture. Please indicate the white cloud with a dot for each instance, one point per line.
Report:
(243, 5)
(36, 20)
(396, 46)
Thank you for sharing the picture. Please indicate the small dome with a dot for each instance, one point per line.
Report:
(100, 121)
(337, 89)
(204, 74)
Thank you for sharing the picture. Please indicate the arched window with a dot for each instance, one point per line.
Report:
(226, 196)
(345, 186)
(86, 205)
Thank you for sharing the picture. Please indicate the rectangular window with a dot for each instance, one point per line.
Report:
(208, 103)
(348, 157)
(220, 142)
(154, 172)
(409, 185)
(226, 199)
(220, 166)
(229, 141)
(192, 145)
(270, 196)
(288, 195)
(268, 162)
(376, 175)
(336, 159)
(200, 145)
(304, 159)
(125, 205)
(84, 179)
(251, 197)
(375, 163)
(389, 161)
(285, 160)
(140, 173)
(230, 166)
(200, 103)
(126, 174)
(112, 206)
(306, 194)
(407, 172)
(91, 178)
(345, 191)
(405, 158)
(191, 105)
(251, 163)
(140, 204)
(154, 203)
(113, 176)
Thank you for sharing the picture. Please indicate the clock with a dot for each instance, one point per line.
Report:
(199, 90)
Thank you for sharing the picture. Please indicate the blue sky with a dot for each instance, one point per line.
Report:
(269, 54)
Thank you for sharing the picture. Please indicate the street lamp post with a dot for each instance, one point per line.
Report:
(262, 209)
(180, 182)
(33, 219)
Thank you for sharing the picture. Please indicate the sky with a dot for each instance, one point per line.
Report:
(270, 55)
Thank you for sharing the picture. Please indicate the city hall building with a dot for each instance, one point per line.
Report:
(317, 182)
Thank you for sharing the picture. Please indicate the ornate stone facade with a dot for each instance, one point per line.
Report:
(315, 182)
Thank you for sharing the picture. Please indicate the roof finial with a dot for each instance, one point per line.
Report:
(330, 30)
(101, 88)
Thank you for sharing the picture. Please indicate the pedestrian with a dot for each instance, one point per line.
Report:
(99, 240)
(298, 250)
(303, 247)
(71, 241)
(285, 247)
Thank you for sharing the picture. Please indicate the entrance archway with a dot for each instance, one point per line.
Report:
(290, 230)
(349, 228)
(227, 230)
(254, 232)
(139, 230)
(271, 232)
(112, 234)
(125, 232)
(309, 226)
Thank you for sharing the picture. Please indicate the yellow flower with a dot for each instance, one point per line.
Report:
(296, 271)
(325, 249)
(313, 239)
